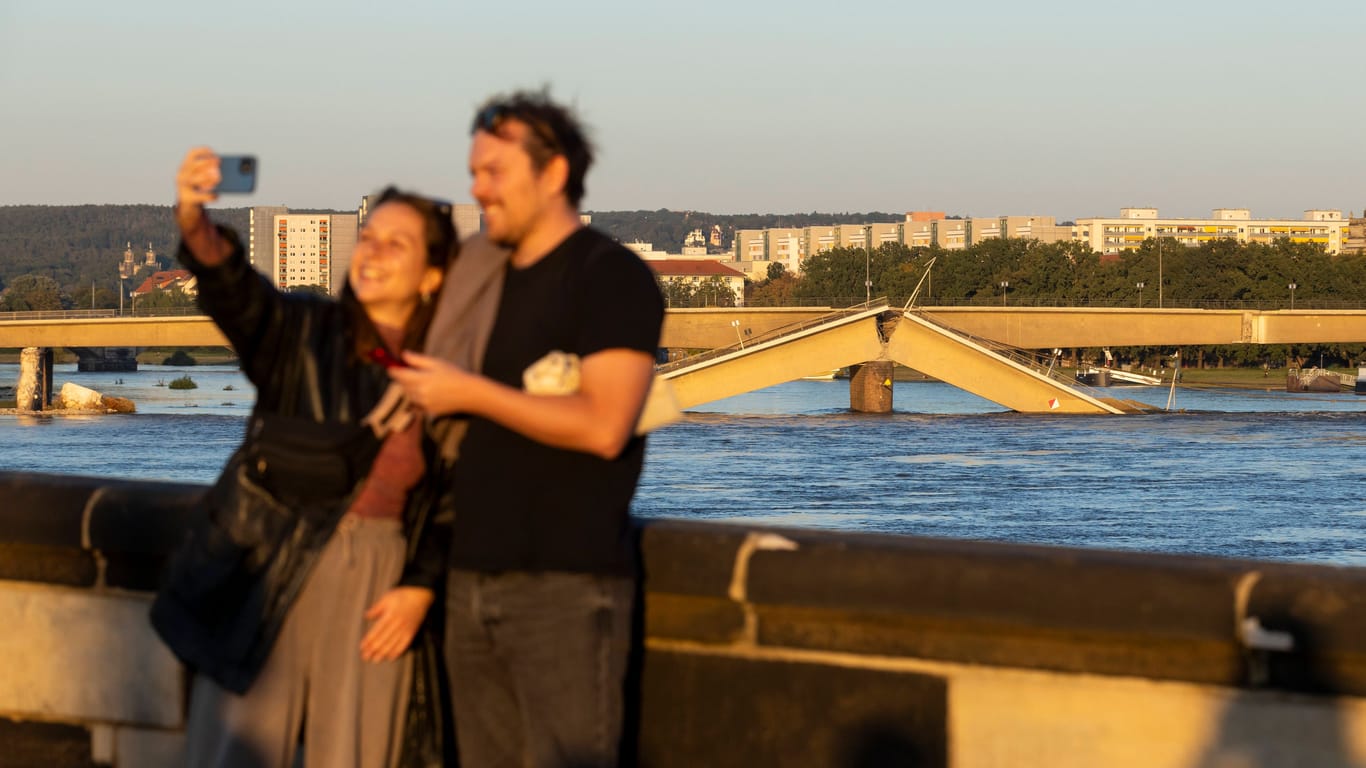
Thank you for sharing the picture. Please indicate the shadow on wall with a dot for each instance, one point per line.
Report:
(788, 713)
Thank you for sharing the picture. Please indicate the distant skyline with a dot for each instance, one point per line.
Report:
(1064, 109)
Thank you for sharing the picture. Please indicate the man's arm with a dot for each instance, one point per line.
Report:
(598, 419)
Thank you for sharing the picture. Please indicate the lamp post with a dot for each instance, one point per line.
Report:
(1005, 284)
(1292, 288)
(1140, 293)
(867, 266)
(125, 272)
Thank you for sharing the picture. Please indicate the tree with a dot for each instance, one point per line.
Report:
(713, 292)
(34, 293)
(776, 292)
(677, 293)
(316, 290)
(171, 299)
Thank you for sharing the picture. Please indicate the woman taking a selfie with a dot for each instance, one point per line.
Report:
(301, 585)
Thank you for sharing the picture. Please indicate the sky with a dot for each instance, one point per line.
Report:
(1057, 108)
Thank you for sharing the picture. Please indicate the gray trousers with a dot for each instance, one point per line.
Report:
(537, 664)
(350, 710)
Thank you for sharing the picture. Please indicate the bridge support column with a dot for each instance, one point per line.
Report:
(870, 386)
(34, 389)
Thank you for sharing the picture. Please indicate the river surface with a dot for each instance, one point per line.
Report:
(1263, 474)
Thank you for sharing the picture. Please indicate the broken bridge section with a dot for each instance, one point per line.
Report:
(871, 337)
(834, 341)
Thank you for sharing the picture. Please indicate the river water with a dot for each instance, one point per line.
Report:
(1263, 474)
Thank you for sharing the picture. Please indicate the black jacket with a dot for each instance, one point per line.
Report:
(248, 551)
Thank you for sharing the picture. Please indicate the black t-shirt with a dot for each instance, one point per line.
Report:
(525, 506)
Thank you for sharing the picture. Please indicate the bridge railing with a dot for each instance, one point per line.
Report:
(99, 314)
(988, 300)
(773, 334)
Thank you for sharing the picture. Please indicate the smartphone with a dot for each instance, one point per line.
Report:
(382, 356)
(238, 174)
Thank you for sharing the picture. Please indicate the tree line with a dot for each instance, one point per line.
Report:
(78, 248)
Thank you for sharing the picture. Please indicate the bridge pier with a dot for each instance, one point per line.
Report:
(870, 386)
(33, 392)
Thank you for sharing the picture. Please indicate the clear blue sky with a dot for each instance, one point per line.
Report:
(1068, 109)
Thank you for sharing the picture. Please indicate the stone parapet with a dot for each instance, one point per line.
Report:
(777, 647)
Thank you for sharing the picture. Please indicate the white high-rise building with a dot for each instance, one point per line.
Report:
(296, 248)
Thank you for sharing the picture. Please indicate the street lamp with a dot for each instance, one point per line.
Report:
(1292, 288)
(736, 325)
(867, 266)
(1004, 285)
(1140, 293)
(125, 272)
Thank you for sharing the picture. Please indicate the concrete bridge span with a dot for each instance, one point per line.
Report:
(1049, 327)
(1023, 327)
(168, 331)
(771, 647)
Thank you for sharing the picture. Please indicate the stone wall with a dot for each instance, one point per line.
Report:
(776, 647)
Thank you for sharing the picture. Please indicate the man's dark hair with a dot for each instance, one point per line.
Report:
(553, 129)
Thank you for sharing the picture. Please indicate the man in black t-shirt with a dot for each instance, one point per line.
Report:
(540, 589)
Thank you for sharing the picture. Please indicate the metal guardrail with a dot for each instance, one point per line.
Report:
(773, 334)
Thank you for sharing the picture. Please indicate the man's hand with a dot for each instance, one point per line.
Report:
(396, 616)
(599, 418)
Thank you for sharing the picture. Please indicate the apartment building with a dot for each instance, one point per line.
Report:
(1356, 235)
(300, 248)
(1134, 225)
(756, 248)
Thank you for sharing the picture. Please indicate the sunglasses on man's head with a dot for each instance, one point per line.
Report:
(491, 118)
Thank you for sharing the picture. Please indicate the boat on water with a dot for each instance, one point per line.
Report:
(822, 375)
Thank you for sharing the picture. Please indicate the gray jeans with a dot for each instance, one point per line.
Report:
(537, 664)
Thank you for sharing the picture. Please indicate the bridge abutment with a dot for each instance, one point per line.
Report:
(33, 392)
(870, 386)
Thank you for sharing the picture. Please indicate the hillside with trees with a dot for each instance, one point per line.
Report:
(79, 247)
